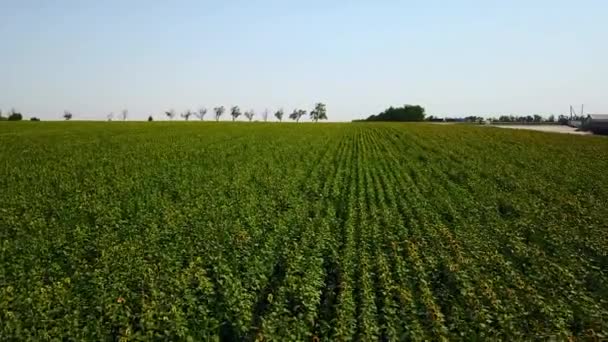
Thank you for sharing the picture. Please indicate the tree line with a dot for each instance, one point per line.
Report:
(403, 114)
(536, 118)
(523, 119)
(318, 113)
(417, 113)
(14, 115)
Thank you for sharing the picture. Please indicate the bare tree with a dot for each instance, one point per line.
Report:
(187, 114)
(279, 115)
(170, 114)
(124, 114)
(265, 115)
(235, 112)
(250, 114)
(219, 111)
(110, 116)
(201, 113)
(67, 115)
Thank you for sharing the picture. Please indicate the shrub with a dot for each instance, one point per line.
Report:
(15, 117)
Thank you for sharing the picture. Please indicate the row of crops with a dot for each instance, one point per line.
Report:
(210, 231)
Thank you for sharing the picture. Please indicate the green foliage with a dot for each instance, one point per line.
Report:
(219, 111)
(205, 231)
(235, 112)
(319, 113)
(405, 113)
(15, 116)
(297, 114)
(67, 115)
(279, 115)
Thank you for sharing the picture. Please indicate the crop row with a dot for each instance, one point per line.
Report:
(328, 232)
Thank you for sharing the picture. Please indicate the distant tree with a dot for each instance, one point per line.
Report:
(14, 116)
(110, 116)
(123, 114)
(33, 118)
(150, 118)
(551, 118)
(201, 113)
(265, 115)
(249, 115)
(538, 118)
(67, 115)
(319, 113)
(219, 111)
(297, 114)
(279, 114)
(170, 114)
(294, 115)
(235, 112)
(187, 114)
(405, 113)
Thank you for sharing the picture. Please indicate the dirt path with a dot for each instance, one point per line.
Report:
(546, 128)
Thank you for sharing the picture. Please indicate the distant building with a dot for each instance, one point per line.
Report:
(596, 123)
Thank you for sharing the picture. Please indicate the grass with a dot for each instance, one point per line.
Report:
(211, 231)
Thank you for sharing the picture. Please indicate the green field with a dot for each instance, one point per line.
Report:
(235, 231)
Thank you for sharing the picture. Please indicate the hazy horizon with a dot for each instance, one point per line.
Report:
(456, 59)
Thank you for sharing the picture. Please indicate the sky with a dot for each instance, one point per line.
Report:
(455, 58)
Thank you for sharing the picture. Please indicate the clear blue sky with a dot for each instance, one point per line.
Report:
(453, 57)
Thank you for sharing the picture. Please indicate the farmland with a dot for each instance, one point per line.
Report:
(235, 231)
